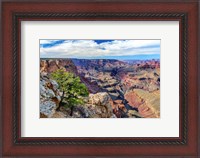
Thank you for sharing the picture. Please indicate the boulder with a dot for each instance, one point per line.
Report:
(103, 104)
(47, 108)
(101, 98)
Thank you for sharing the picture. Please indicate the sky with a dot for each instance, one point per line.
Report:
(101, 49)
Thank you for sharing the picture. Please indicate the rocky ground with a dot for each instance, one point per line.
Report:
(119, 89)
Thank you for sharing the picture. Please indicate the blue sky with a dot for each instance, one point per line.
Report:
(100, 49)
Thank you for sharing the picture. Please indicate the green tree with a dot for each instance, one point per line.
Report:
(71, 87)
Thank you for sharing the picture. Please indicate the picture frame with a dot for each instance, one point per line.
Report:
(14, 13)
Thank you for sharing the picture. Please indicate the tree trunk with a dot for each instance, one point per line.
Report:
(60, 103)
(72, 109)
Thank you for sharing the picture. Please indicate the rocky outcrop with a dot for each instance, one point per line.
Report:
(47, 108)
(97, 105)
(49, 96)
(51, 65)
(101, 103)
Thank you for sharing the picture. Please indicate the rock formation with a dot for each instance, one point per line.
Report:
(49, 96)
(117, 88)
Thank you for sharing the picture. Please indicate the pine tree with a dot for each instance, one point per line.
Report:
(71, 87)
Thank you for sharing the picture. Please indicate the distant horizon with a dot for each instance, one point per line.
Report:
(104, 59)
(101, 49)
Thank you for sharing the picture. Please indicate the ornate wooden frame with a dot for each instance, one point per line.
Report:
(15, 145)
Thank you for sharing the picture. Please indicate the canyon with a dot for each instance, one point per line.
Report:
(117, 89)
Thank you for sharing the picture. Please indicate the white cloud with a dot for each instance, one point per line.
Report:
(89, 48)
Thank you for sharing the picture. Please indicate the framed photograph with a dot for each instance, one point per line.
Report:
(100, 79)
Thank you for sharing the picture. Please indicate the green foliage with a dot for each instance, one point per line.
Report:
(71, 87)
